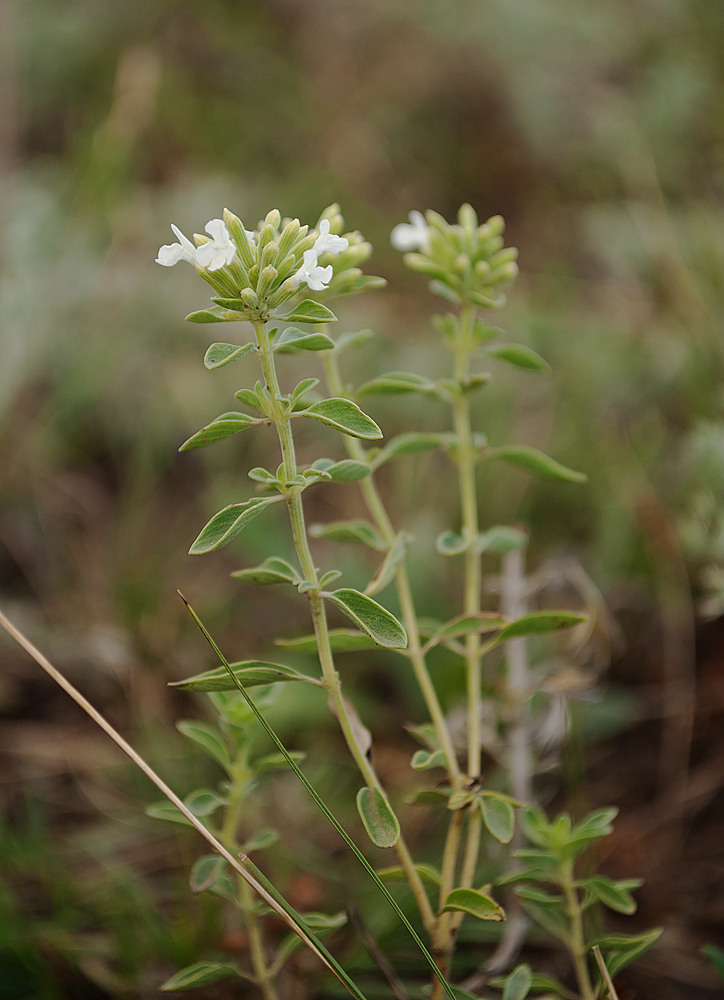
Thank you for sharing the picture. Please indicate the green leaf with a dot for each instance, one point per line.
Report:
(498, 816)
(500, 539)
(302, 389)
(329, 577)
(219, 355)
(235, 304)
(518, 984)
(538, 622)
(207, 738)
(427, 874)
(260, 840)
(546, 910)
(536, 828)
(344, 416)
(348, 531)
(219, 428)
(520, 356)
(536, 462)
(200, 974)
(387, 570)
(550, 985)
(477, 624)
(714, 954)
(277, 761)
(272, 570)
(167, 811)
(371, 617)
(348, 471)
(614, 895)
(250, 398)
(214, 314)
(251, 673)
(475, 902)
(619, 950)
(396, 384)
(341, 640)
(354, 339)
(406, 444)
(205, 871)
(423, 760)
(293, 339)
(448, 543)
(309, 311)
(203, 802)
(379, 820)
(228, 523)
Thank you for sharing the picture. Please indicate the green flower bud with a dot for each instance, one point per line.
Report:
(273, 219)
(269, 254)
(249, 297)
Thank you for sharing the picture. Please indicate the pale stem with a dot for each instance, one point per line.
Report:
(382, 521)
(228, 838)
(319, 617)
(577, 942)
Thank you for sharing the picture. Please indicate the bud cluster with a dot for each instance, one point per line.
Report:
(255, 272)
(468, 262)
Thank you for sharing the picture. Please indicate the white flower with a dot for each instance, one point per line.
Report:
(411, 236)
(327, 243)
(172, 253)
(316, 277)
(219, 250)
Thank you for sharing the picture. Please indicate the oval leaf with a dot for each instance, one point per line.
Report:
(423, 760)
(260, 840)
(379, 820)
(272, 570)
(200, 974)
(341, 640)
(167, 811)
(540, 621)
(219, 355)
(219, 428)
(277, 761)
(498, 817)
(520, 356)
(500, 539)
(293, 339)
(205, 871)
(345, 416)
(371, 617)
(348, 471)
(518, 984)
(250, 673)
(214, 314)
(476, 903)
(396, 384)
(348, 531)
(538, 463)
(208, 738)
(426, 872)
(203, 802)
(309, 311)
(613, 895)
(228, 523)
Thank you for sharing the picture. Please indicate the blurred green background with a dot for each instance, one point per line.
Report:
(597, 130)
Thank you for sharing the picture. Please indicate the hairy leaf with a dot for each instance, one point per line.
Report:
(475, 902)
(427, 874)
(520, 356)
(341, 640)
(200, 974)
(219, 355)
(379, 820)
(370, 616)
(228, 523)
(518, 984)
(293, 339)
(344, 416)
(538, 463)
(250, 673)
(272, 570)
(540, 621)
(396, 384)
(220, 427)
(309, 311)
(207, 738)
(348, 531)
(406, 444)
(498, 816)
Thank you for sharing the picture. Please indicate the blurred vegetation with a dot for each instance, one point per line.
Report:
(596, 129)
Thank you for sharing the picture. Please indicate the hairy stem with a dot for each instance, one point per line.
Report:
(382, 521)
(331, 678)
(577, 941)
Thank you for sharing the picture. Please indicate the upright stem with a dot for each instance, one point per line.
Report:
(577, 941)
(319, 617)
(384, 525)
(228, 839)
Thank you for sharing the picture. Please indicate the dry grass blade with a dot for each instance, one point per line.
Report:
(612, 994)
(83, 703)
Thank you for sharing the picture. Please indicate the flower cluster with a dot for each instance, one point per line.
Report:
(467, 262)
(258, 269)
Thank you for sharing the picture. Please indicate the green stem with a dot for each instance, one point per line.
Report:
(228, 839)
(577, 942)
(322, 806)
(384, 525)
(332, 683)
